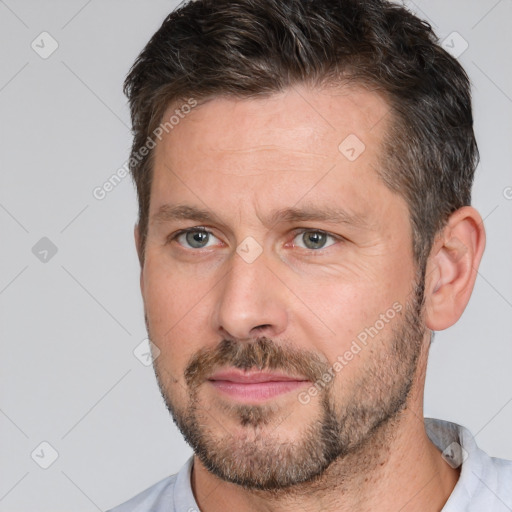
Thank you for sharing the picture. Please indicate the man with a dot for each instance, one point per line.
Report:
(304, 173)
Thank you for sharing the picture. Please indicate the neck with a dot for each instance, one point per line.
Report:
(398, 468)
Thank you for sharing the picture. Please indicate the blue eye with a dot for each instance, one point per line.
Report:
(197, 238)
(200, 238)
(313, 239)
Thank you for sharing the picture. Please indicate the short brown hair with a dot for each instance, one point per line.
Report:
(253, 48)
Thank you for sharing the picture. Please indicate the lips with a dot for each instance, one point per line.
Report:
(254, 386)
(253, 377)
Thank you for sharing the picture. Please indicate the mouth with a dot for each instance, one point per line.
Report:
(255, 386)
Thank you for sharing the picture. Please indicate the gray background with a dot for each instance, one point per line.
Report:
(71, 322)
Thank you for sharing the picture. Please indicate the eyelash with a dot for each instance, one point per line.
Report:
(299, 231)
(174, 236)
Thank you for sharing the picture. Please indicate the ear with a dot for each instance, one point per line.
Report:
(452, 268)
(138, 240)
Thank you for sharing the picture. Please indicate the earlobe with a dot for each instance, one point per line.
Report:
(136, 233)
(452, 268)
(136, 236)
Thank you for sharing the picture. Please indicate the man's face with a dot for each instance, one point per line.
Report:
(276, 259)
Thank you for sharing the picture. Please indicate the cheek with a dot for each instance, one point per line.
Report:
(168, 295)
(171, 309)
(179, 310)
(344, 321)
(343, 306)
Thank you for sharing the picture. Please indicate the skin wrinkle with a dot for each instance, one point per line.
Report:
(269, 148)
(168, 213)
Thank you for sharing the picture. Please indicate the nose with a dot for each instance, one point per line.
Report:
(250, 301)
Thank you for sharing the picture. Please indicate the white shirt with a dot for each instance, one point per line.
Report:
(484, 485)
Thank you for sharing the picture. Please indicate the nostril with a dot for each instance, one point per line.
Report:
(262, 327)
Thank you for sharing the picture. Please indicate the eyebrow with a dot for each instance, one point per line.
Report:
(333, 215)
(169, 213)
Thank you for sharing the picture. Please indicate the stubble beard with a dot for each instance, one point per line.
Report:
(256, 457)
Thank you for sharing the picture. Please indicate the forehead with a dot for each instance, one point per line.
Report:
(303, 125)
(274, 150)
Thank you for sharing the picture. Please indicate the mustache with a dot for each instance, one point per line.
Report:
(261, 354)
